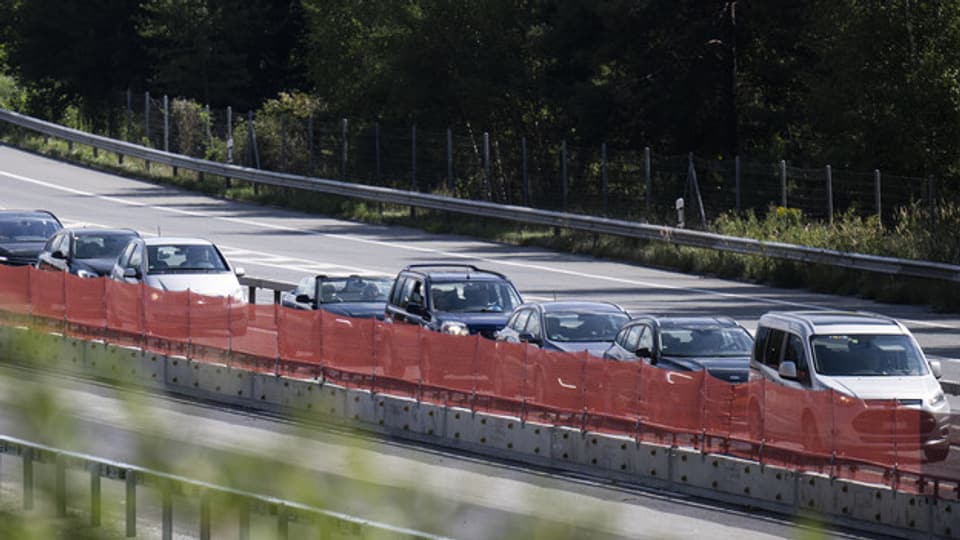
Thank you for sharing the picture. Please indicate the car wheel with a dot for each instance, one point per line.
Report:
(937, 453)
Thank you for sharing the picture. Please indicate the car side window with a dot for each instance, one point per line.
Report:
(646, 339)
(633, 338)
(794, 353)
(416, 292)
(519, 320)
(533, 324)
(125, 254)
(398, 291)
(760, 343)
(773, 348)
(621, 338)
(52, 241)
(306, 286)
(136, 258)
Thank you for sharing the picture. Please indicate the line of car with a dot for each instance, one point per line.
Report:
(865, 356)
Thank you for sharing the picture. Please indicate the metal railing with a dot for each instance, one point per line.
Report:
(207, 494)
(519, 214)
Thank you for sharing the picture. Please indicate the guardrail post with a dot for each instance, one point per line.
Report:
(563, 174)
(877, 196)
(450, 160)
(131, 500)
(167, 511)
(283, 524)
(60, 486)
(648, 179)
(205, 516)
(95, 501)
(603, 175)
(27, 479)
(783, 183)
(830, 194)
(243, 519)
(736, 181)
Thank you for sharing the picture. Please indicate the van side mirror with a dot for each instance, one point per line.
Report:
(58, 255)
(788, 370)
(937, 368)
(303, 299)
(240, 271)
(530, 338)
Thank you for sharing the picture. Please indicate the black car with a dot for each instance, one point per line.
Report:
(457, 299)
(352, 296)
(84, 252)
(23, 234)
(717, 344)
(565, 326)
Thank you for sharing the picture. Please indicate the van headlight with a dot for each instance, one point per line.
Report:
(455, 328)
(937, 398)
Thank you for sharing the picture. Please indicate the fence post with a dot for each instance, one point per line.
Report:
(283, 141)
(877, 196)
(344, 149)
(208, 123)
(166, 503)
(146, 117)
(376, 142)
(253, 146)
(450, 160)
(563, 174)
(413, 157)
(736, 177)
(129, 117)
(311, 157)
(526, 177)
(830, 194)
(229, 135)
(783, 183)
(166, 124)
(603, 175)
(647, 179)
(60, 486)
(486, 165)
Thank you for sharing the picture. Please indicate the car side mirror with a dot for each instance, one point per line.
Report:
(131, 273)
(415, 309)
(58, 255)
(240, 272)
(303, 299)
(937, 368)
(788, 370)
(644, 352)
(530, 338)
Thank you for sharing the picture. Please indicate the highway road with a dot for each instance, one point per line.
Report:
(285, 245)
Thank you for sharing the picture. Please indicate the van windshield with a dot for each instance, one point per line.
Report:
(865, 355)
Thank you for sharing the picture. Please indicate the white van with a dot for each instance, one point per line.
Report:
(862, 355)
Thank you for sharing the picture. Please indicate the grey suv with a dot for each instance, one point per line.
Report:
(457, 299)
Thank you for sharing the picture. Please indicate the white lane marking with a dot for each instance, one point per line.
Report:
(528, 266)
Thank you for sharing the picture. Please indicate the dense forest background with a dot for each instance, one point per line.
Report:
(860, 84)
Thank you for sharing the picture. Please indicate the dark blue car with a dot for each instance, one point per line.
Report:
(716, 344)
(456, 299)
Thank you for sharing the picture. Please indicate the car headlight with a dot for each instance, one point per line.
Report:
(937, 398)
(455, 328)
(3, 258)
(86, 273)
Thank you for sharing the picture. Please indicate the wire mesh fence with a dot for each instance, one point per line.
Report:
(624, 183)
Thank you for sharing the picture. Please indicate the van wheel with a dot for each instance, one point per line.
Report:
(939, 453)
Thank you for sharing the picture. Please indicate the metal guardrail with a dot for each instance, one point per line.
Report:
(520, 214)
(286, 512)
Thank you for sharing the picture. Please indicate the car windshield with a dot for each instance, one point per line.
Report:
(474, 297)
(572, 326)
(176, 259)
(865, 355)
(99, 245)
(694, 342)
(354, 289)
(27, 229)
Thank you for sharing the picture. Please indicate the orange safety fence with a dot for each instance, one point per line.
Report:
(872, 440)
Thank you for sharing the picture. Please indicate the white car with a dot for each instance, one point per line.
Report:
(872, 363)
(179, 264)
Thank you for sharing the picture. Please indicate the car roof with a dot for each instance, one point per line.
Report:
(28, 214)
(838, 322)
(179, 240)
(453, 272)
(576, 305)
(81, 231)
(703, 321)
